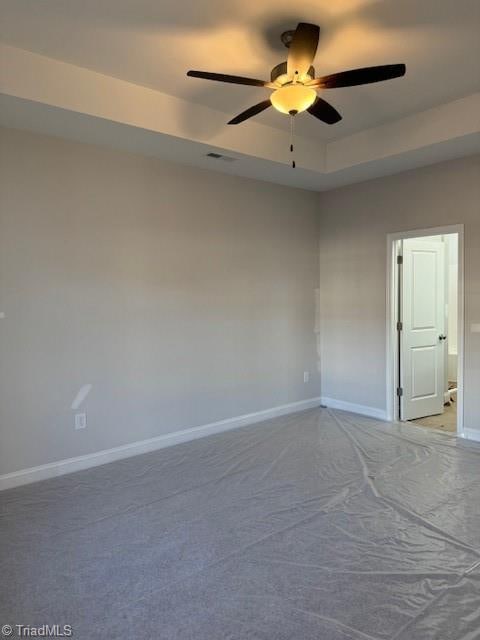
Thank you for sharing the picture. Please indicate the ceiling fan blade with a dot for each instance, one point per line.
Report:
(222, 77)
(302, 49)
(252, 111)
(324, 111)
(355, 77)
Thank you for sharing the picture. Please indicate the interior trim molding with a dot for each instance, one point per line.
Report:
(363, 410)
(78, 463)
(471, 434)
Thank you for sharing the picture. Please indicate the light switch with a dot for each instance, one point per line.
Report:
(475, 328)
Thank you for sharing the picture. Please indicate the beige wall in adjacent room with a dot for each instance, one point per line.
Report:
(355, 221)
(182, 296)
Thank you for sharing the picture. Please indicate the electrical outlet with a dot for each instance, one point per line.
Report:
(80, 420)
(306, 376)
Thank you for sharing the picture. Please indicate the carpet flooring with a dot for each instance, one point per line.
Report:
(316, 526)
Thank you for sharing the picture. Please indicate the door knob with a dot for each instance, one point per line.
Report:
(442, 337)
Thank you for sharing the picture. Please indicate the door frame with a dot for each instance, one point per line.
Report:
(392, 355)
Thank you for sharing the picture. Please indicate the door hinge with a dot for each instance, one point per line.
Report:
(399, 326)
(399, 391)
(399, 259)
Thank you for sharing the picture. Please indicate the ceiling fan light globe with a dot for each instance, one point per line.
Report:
(293, 98)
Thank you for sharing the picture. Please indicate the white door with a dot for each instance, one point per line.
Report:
(422, 339)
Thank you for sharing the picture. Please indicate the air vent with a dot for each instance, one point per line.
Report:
(219, 156)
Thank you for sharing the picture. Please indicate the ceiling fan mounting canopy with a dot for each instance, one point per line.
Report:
(294, 83)
(287, 37)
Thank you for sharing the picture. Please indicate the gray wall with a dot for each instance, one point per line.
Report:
(186, 297)
(355, 222)
(183, 296)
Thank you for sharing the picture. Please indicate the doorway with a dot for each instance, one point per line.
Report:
(425, 328)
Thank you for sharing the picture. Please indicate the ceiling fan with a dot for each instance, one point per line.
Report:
(294, 83)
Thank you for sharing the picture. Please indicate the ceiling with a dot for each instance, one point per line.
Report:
(154, 43)
(113, 71)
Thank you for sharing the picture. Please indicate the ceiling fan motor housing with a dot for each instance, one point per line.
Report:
(281, 70)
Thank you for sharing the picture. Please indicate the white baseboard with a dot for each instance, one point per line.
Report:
(471, 434)
(69, 465)
(371, 412)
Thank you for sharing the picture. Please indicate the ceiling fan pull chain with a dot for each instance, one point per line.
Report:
(291, 137)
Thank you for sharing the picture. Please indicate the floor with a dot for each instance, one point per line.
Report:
(447, 421)
(316, 526)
